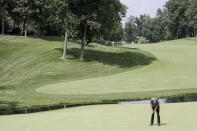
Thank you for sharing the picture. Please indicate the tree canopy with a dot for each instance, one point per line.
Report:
(76, 19)
(178, 19)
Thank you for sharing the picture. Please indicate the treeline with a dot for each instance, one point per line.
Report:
(178, 19)
(74, 19)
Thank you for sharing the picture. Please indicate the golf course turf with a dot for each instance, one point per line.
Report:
(174, 69)
(28, 63)
(174, 117)
(33, 73)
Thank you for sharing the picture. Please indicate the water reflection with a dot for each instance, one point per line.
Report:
(189, 98)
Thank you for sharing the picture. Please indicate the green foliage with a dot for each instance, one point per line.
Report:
(130, 30)
(101, 16)
(48, 17)
(78, 19)
(176, 20)
(111, 18)
(180, 16)
(3, 13)
(143, 29)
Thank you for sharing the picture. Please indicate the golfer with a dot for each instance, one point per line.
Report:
(155, 108)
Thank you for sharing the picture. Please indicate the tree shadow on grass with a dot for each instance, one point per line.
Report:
(122, 59)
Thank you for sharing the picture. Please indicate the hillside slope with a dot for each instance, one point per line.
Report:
(28, 63)
(175, 69)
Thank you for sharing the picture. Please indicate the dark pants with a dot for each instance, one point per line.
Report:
(158, 118)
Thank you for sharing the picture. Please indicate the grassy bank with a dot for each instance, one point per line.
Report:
(28, 63)
(174, 117)
(175, 69)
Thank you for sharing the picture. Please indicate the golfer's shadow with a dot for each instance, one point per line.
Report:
(162, 124)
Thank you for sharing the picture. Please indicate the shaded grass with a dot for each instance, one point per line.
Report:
(123, 58)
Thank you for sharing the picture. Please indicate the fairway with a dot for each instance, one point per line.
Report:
(175, 117)
(175, 69)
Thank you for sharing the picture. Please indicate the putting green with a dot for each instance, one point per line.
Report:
(175, 117)
(175, 69)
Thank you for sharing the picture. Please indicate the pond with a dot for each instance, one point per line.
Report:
(189, 98)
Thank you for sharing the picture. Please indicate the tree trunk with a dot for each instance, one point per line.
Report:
(101, 37)
(26, 26)
(65, 45)
(177, 35)
(21, 31)
(3, 25)
(14, 24)
(25, 32)
(23, 28)
(83, 42)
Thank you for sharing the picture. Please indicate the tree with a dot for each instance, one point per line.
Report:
(117, 32)
(25, 9)
(181, 16)
(191, 14)
(86, 12)
(131, 30)
(161, 24)
(94, 15)
(145, 27)
(66, 20)
(3, 12)
(110, 15)
(177, 20)
(61, 15)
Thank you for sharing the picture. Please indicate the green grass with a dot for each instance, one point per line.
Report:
(174, 117)
(32, 74)
(28, 63)
(175, 70)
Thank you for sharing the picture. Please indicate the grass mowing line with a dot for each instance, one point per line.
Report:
(172, 71)
(174, 117)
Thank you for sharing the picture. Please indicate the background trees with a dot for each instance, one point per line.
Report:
(131, 30)
(77, 19)
(101, 16)
(3, 12)
(26, 10)
(88, 20)
(177, 20)
(182, 18)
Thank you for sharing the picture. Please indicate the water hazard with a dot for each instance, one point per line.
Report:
(189, 98)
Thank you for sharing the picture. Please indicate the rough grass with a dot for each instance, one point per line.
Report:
(174, 117)
(27, 63)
